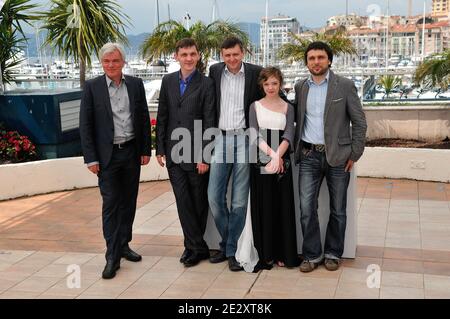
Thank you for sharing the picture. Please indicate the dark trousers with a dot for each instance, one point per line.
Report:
(119, 184)
(190, 189)
(313, 168)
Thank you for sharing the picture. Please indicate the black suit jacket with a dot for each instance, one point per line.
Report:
(96, 119)
(176, 111)
(252, 91)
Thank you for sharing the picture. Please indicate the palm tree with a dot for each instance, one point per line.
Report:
(389, 83)
(338, 41)
(208, 37)
(12, 37)
(79, 28)
(434, 71)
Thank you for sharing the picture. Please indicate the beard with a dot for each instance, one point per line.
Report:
(319, 73)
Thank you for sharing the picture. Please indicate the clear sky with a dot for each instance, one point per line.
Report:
(309, 13)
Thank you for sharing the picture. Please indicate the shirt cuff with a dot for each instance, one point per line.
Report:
(92, 164)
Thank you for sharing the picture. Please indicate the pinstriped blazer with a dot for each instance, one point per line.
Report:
(176, 111)
(252, 91)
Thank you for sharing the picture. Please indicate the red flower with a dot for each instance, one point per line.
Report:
(153, 122)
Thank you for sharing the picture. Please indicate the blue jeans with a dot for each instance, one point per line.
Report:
(313, 168)
(230, 158)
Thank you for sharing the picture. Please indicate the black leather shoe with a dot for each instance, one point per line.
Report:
(110, 269)
(185, 255)
(217, 257)
(131, 255)
(233, 264)
(195, 258)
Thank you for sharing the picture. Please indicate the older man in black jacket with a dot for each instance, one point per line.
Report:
(115, 138)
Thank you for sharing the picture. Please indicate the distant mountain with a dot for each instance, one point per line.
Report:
(31, 49)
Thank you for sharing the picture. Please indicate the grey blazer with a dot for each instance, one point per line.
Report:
(342, 108)
(176, 111)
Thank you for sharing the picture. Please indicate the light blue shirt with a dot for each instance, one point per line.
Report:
(313, 129)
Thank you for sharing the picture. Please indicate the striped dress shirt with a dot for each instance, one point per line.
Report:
(120, 106)
(232, 86)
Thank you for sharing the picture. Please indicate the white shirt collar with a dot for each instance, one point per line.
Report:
(241, 71)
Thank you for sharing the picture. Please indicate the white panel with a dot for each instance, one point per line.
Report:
(70, 114)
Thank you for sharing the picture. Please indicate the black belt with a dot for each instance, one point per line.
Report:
(125, 144)
(238, 131)
(316, 147)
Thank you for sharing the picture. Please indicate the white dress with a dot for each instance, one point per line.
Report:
(246, 253)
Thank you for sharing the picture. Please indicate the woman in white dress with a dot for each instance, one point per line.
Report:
(271, 184)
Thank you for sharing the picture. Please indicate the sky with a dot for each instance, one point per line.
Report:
(309, 13)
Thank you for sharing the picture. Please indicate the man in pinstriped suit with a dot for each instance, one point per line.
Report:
(187, 96)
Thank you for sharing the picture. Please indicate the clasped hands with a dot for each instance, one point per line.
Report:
(275, 166)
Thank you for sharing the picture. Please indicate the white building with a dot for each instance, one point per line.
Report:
(279, 29)
(345, 20)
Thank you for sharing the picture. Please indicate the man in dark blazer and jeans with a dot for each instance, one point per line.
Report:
(237, 87)
(186, 105)
(115, 138)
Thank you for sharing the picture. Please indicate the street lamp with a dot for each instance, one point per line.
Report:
(187, 18)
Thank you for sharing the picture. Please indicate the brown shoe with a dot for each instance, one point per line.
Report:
(332, 264)
(307, 266)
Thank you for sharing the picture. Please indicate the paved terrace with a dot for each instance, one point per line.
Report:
(403, 226)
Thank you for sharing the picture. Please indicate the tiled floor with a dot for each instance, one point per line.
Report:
(51, 246)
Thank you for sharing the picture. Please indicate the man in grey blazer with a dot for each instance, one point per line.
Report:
(115, 138)
(186, 105)
(330, 138)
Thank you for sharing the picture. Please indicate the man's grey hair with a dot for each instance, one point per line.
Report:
(110, 47)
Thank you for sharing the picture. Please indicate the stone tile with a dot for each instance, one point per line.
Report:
(56, 271)
(370, 240)
(106, 288)
(399, 265)
(433, 268)
(403, 280)
(35, 284)
(13, 256)
(264, 294)
(402, 253)
(74, 258)
(402, 242)
(66, 287)
(351, 290)
(19, 295)
(436, 256)
(436, 243)
(183, 292)
(369, 251)
(437, 286)
(361, 262)
(214, 293)
(401, 293)
(234, 280)
(352, 275)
